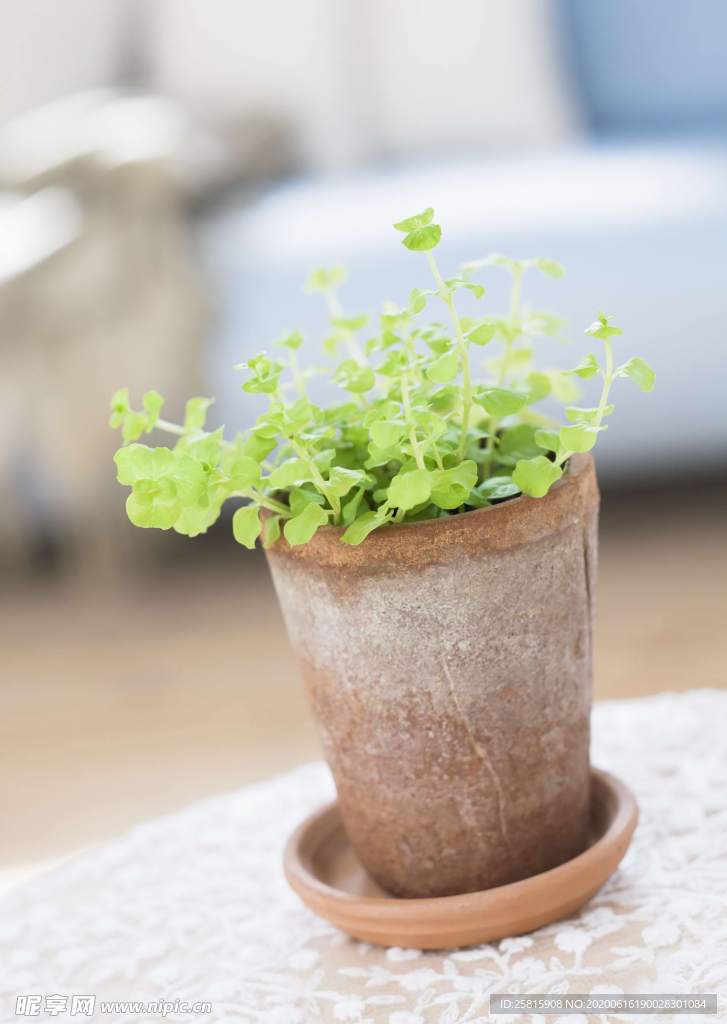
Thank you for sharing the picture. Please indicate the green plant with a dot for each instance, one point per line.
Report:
(416, 439)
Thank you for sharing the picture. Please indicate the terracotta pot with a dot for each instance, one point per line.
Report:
(448, 665)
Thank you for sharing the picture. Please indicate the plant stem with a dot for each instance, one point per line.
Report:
(174, 428)
(260, 499)
(448, 299)
(411, 346)
(295, 370)
(502, 376)
(336, 310)
(320, 483)
(412, 425)
(511, 325)
(171, 428)
(607, 382)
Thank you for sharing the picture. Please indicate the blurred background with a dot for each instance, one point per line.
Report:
(169, 172)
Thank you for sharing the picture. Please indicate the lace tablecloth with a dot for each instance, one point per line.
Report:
(195, 907)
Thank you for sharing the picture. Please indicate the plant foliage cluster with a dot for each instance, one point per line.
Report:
(416, 437)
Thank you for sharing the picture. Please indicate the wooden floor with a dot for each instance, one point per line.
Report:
(120, 707)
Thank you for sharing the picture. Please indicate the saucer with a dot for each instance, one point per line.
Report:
(321, 866)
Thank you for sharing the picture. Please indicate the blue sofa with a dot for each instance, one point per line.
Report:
(637, 213)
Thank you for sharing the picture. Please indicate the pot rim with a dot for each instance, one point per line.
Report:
(507, 524)
(576, 464)
(571, 472)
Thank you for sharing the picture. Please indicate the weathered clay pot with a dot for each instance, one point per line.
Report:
(448, 665)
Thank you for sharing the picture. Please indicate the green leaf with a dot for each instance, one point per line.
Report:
(396, 363)
(352, 377)
(550, 268)
(205, 450)
(332, 343)
(483, 334)
(197, 519)
(548, 439)
(360, 528)
(639, 371)
(153, 403)
(393, 320)
(246, 525)
(272, 530)
(462, 281)
(535, 476)
(162, 484)
(495, 259)
(189, 477)
(323, 279)
(423, 239)
(576, 413)
(439, 345)
(294, 339)
(265, 374)
(340, 480)
(451, 487)
(263, 384)
(382, 342)
(418, 299)
(138, 462)
(270, 424)
(218, 488)
(445, 368)
(517, 443)
(243, 473)
(350, 508)
(119, 407)
(385, 433)
(476, 500)
(602, 328)
(411, 488)
(380, 456)
(518, 362)
(497, 488)
(578, 438)
(134, 426)
(545, 325)
(299, 416)
(588, 367)
(154, 504)
(499, 401)
(195, 413)
(420, 220)
(299, 497)
(538, 386)
(258, 447)
(351, 323)
(322, 460)
(565, 388)
(289, 473)
(300, 529)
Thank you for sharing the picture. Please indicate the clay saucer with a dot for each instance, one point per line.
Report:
(322, 867)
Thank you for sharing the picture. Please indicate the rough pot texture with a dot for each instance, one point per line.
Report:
(448, 665)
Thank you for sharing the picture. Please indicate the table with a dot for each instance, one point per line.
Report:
(194, 906)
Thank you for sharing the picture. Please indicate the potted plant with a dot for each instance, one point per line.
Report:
(433, 546)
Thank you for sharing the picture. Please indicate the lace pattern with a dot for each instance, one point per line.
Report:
(195, 906)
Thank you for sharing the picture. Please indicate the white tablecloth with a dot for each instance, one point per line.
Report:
(194, 906)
